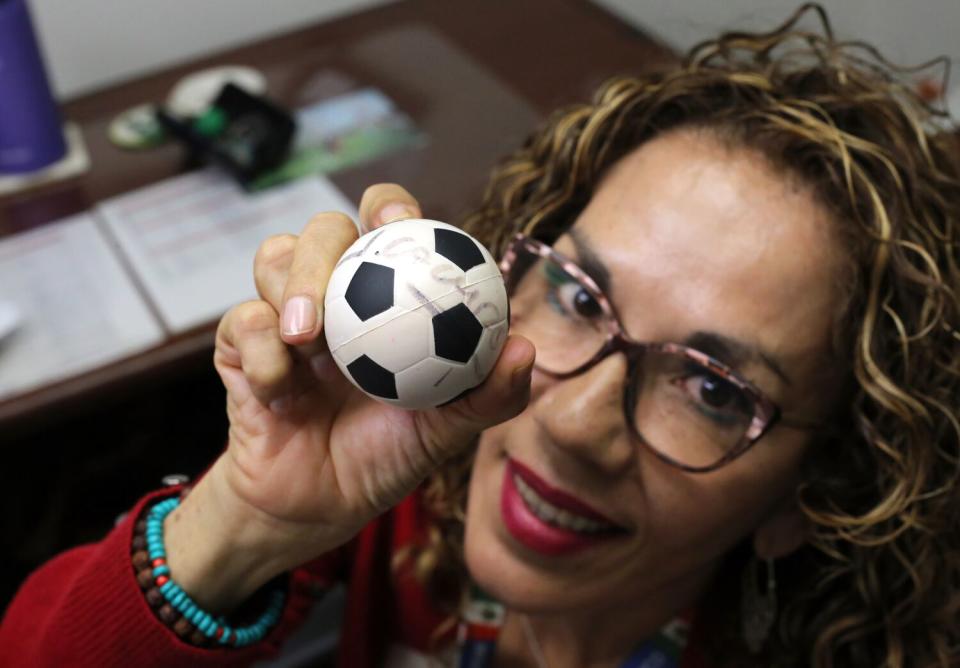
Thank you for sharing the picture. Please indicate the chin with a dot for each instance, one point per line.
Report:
(501, 567)
(498, 572)
(491, 563)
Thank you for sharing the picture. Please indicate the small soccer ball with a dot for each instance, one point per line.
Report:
(416, 313)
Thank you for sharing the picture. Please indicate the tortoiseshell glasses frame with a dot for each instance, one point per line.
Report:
(766, 413)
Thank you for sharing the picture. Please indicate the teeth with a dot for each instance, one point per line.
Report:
(552, 515)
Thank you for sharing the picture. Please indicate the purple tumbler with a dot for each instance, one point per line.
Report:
(31, 136)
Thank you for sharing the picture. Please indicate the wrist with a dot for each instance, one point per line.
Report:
(218, 550)
(176, 608)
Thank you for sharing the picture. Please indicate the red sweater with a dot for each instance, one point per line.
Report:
(84, 607)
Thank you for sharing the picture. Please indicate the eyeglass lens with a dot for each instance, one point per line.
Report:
(679, 407)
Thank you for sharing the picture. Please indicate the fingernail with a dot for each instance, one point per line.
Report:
(521, 377)
(299, 316)
(281, 406)
(395, 211)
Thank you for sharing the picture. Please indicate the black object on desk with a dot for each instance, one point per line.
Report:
(243, 133)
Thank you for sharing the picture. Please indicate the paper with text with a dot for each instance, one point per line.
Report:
(78, 309)
(191, 240)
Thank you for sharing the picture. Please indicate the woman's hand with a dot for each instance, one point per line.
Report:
(310, 458)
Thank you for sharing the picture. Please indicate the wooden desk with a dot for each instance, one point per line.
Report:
(475, 75)
(533, 55)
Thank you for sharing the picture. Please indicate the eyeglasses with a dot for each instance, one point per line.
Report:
(690, 409)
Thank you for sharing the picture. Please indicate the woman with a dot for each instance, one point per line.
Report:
(733, 359)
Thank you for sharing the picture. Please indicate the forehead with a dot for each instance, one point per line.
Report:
(701, 237)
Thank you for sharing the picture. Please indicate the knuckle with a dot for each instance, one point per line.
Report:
(372, 193)
(397, 190)
(380, 194)
(393, 192)
(275, 249)
(392, 189)
(267, 373)
(332, 222)
(255, 316)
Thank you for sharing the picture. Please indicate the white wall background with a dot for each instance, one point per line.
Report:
(92, 43)
(907, 33)
(89, 44)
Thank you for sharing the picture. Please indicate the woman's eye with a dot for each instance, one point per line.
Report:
(718, 398)
(573, 298)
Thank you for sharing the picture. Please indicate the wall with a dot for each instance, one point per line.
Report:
(89, 44)
(92, 43)
(905, 32)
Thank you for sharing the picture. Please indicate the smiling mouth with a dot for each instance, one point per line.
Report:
(558, 517)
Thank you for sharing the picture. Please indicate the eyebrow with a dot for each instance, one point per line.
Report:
(590, 262)
(730, 351)
(733, 352)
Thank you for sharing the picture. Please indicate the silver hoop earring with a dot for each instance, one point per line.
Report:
(758, 604)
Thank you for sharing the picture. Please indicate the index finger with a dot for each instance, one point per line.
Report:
(325, 238)
(385, 203)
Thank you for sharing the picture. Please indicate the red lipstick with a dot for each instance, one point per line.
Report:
(555, 496)
(537, 534)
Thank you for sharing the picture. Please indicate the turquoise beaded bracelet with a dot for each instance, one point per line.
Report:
(204, 622)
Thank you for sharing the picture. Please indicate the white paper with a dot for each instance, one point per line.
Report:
(78, 308)
(191, 240)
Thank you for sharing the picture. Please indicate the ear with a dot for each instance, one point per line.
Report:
(782, 532)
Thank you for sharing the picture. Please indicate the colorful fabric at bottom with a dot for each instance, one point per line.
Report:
(85, 609)
(483, 617)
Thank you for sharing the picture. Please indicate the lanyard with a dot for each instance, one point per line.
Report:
(483, 617)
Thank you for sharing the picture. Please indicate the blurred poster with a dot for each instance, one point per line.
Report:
(342, 132)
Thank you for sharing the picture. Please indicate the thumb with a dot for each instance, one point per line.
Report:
(446, 430)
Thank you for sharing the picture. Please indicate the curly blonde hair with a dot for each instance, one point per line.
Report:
(879, 582)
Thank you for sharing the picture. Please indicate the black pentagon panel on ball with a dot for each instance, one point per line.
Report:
(457, 247)
(371, 290)
(456, 333)
(373, 378)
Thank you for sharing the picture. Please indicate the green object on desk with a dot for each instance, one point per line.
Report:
(136, 128)
(211, 122)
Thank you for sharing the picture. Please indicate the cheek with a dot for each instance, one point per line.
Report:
(710, 513)
(482, 544)
(695, 523)
(485, 483)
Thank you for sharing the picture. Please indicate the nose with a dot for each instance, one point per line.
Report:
(583, 416)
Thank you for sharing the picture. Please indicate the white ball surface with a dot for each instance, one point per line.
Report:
(415, 313)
